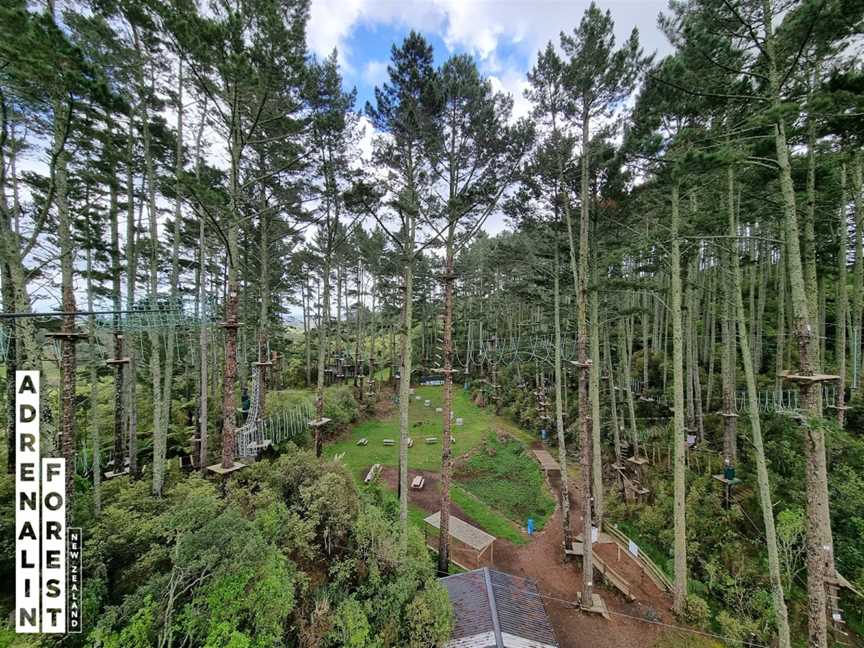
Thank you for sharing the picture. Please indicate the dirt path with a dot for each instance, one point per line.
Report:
(542, 560)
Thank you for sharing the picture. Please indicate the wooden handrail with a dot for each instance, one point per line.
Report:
(656, 574)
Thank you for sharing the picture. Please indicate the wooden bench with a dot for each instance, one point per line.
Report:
(389, 442)
(372, 474)
(362, 442)
(418, 483)
(112, 474)
(430, 440)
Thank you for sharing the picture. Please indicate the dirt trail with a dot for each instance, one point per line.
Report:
(542, 559)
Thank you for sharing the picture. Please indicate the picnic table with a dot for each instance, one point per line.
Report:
(373, 472)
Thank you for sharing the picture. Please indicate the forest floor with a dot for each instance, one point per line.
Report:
(539, 556)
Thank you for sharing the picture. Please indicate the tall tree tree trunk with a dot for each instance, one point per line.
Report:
(264, 310)
(405, 372)
(678, 433)
(842, 300)
(559, 413)
(202, 350)
(780, 355)
(780, 613)
(67, 343)
(93, 413)
(446, 458)
(159, 433)
(232, 307)
(820, 557)
(130, 379)
(168, 382)
(730, 415)
(594, 397)
(613, 405)
(323, 326)
(858, 273)
(117, 301)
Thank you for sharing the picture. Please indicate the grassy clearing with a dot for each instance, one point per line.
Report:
(488, 519)
(503, 474)
(481, 504)
(425, 422)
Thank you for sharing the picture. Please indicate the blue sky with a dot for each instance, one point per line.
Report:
(503, 35)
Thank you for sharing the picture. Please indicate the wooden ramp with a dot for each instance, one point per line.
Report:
(600, 565)
(547, 463)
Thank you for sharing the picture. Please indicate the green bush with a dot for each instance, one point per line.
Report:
(696, 611)
(291, 553)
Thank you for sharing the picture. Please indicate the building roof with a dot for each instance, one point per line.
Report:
(492, 609)
(463, 532)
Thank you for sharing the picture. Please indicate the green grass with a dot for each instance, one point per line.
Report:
(506, 477)
(488, 519)
(425, 422)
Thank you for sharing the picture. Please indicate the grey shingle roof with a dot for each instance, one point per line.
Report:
(496, 610)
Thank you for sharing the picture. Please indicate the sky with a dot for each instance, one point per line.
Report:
(504, 36)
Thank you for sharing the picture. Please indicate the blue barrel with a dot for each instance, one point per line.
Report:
(530, 526)
(544, 434)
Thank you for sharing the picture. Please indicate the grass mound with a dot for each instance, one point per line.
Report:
(502, 474)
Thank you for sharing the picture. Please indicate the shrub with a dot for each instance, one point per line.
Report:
(696, 611)
(429, 617)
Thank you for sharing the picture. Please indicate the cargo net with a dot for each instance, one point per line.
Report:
(163, 314)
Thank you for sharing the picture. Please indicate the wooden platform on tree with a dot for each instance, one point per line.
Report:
(598, 605)
(728, 482)
(66, 335)
(316, 423)
(219, 469)
(814, 378)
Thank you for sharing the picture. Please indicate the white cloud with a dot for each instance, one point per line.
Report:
(513, 83)
(375, 72)
(365, 143)
(479, 26)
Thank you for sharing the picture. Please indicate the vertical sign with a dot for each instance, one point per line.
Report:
(74, 594)
(53, 545)
(27, 502)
